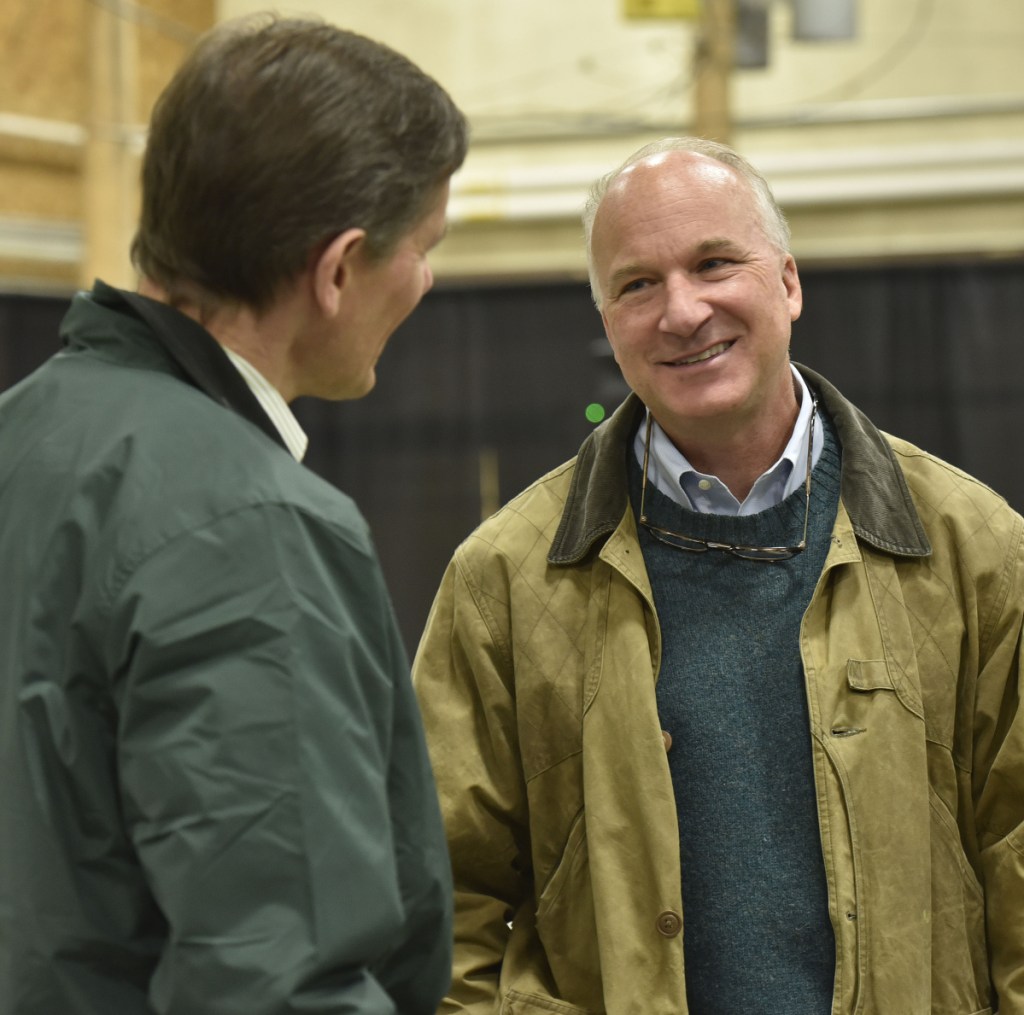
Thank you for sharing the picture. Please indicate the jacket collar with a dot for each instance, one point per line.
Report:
(873, 488)
(195, 352)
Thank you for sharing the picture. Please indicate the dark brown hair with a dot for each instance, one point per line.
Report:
(275, 136)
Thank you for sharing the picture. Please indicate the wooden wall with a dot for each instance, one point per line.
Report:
(77, 81)
(906, 142)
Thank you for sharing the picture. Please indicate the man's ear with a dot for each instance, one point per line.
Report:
(334, 268)
(791, 283)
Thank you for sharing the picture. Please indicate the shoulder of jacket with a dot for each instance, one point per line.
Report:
(217, 470)
(924, 469)
(524, 526)
(947, 496)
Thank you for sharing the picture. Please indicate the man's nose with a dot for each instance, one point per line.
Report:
(686, 305)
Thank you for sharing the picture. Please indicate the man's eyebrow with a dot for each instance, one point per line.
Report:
(627, 271)
(718, 245)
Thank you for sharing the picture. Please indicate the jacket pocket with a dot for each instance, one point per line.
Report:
(567, 926)
(867, 675)
(915, 883)
(960, 981)
(517, 1003)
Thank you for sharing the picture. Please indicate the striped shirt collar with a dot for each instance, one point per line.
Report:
(273, 404)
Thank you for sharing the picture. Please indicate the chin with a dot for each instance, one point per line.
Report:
(359, 389)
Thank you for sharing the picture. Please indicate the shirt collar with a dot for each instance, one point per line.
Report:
(674, 476)
(273, 404)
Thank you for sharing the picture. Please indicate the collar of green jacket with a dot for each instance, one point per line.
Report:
(873, 486)
(151, 335)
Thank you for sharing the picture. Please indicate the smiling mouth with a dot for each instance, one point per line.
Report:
(703, 357)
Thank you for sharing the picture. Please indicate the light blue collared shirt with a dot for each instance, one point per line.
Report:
(675, 477)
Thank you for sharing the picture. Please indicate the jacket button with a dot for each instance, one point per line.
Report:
(667, 737)
(669, 924)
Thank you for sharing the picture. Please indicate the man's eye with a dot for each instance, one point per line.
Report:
(631, 287)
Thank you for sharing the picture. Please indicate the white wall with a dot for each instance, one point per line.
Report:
(906, 141)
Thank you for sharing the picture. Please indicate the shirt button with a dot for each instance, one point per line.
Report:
(705, 484)
(667, 737)
(669, 924)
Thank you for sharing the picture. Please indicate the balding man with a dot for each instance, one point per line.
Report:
(724, 712)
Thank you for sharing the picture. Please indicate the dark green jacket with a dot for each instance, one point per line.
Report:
(214, 793)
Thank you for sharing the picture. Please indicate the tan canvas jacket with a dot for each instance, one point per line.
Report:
(536, 677)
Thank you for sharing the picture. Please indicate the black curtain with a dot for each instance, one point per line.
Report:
(932, 354)
(929, 352)
(478, 393)
(485, 388)
(28, 333)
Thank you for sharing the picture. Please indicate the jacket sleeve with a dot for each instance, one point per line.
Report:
(998, 774)
(463, 677)
(273, 774)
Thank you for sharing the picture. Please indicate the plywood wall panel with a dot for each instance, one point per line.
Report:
(41, 191)
(43, 58)
(48, 55)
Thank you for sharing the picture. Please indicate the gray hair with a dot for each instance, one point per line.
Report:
(773, 222)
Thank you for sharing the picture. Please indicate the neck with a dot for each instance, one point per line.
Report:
(738, 463)
(739, 451)
(263, 339)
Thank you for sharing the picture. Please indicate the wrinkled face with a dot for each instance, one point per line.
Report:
(697, 303)
(383, 295)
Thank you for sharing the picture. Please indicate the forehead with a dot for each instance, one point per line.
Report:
(683, 194)
(429, 229)
(436, 210)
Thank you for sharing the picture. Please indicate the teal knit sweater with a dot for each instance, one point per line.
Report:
(757, 935)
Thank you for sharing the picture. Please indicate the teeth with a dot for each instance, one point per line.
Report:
(707, 354)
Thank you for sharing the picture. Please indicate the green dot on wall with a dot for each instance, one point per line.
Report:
(594, 412)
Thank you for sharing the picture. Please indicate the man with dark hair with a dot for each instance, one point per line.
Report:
(215, 797)
(725, 712)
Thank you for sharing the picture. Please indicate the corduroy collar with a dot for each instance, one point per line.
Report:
(873, 488)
